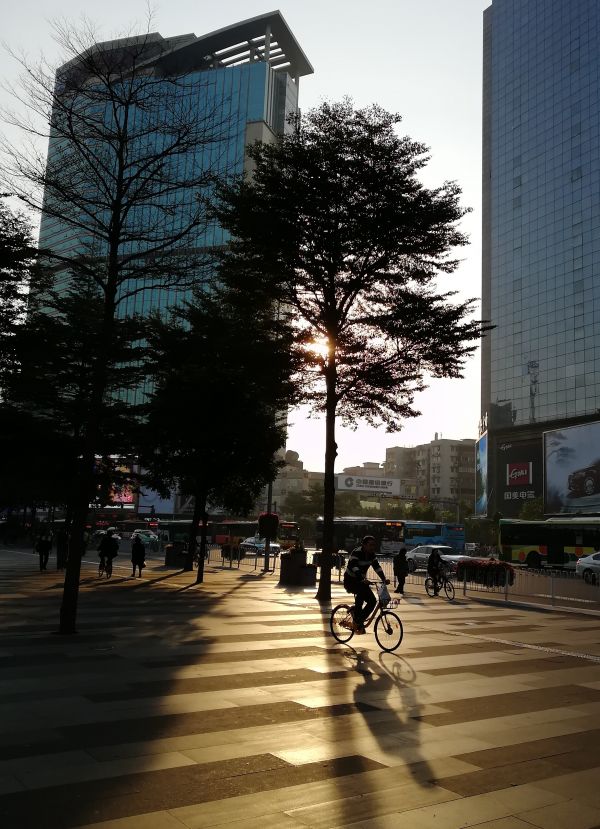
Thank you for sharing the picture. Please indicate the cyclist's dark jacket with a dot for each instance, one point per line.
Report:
(435, 565)
(358, 566)
(109, 547)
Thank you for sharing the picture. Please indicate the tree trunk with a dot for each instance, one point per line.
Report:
(80, 509)
(200, 573)
(198, 511)
(324, 589)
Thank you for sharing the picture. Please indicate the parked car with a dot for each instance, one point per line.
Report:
(256, 547)
(418, 557)
(148, 538)
(585, 481)
(589, 568)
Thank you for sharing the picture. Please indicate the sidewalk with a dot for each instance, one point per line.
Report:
(229, 704)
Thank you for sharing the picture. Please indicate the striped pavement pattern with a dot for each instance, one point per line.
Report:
(229, 704)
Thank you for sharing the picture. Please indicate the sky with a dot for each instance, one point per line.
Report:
(422, 60)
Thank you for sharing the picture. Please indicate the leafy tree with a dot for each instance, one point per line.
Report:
(47, 394)
(532, 510)
(221, 376)
(337, 226)
(126, 178)
(17, 256)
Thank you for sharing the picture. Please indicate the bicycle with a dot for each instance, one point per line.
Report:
(388, 627)
(105, 567)
(443, 581)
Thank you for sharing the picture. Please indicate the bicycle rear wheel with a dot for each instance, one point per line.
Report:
(429, 586)
(449, 590)
(341, 623)
(388, 631)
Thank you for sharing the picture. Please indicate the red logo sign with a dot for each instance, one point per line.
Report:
(518, 474)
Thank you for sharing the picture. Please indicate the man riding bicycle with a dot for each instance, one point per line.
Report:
(436, 569)
(355, 580)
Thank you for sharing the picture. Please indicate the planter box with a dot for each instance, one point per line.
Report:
(488, 572)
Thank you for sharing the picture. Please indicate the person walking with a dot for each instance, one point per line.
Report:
(355, 580)
(138, 555)
(400, 570)
(108, 549)
(42, 547)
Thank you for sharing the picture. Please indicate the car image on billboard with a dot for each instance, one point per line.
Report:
(572, 470)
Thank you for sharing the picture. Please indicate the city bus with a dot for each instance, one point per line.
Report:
(388, 533)
(229, 531)
(434, 532)
(555, 542)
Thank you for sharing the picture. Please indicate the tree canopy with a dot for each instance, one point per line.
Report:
(215, 417)
(336, 226)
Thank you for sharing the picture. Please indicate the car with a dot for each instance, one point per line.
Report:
(148, 538)
(418, 557)
(254, 546)
(585, 481)
(589, 568)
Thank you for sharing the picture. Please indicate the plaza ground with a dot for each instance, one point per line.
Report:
(229, 704)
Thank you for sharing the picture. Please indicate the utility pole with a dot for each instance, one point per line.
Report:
(267, 537)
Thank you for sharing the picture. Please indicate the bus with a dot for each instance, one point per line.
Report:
(434, 532)
(288, 535)
(348, 532)
(229, 531)
(555, 542)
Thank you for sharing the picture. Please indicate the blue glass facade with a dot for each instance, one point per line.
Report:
(541, 211)
(141, 126)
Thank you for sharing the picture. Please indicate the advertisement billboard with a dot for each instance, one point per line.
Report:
(356, 483)
(572, 470)
(518, 474)
(150, 502)
(481, 475)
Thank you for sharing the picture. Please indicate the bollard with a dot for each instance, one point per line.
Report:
(465, 581)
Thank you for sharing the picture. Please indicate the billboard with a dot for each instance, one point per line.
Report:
(357, 483)
(481, 475)
(572, 470)
(150, 501)
(518, 473)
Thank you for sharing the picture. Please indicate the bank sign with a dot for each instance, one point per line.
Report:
(352, 483)
(519, 475)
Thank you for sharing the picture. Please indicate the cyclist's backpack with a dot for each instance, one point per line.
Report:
(350, 583)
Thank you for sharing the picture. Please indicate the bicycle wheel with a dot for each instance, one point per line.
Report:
(388, 631)
(429, 586)
(449, 590)
(100, 571)
(342, 623)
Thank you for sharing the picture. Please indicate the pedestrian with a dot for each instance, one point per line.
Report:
(138, 555)
(355, 580)
(42, 547)
(107, 550)
(62, 548)
(400, 570)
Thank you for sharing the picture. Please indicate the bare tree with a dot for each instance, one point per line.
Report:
(134, 147)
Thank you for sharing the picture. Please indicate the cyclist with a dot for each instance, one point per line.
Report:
(355, 580)
(108, 549)
(435, 569)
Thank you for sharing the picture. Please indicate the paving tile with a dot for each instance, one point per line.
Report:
(570, 814)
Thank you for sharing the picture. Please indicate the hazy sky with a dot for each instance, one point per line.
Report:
(420, 59)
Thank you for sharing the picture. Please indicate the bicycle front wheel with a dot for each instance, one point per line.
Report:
(388, 631)
(429, 586)
(449, 590)
(341, 623)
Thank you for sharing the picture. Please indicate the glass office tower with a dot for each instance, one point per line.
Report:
(541, 219)
(242, 79)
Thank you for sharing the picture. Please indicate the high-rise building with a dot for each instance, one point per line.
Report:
(445, 471)
(541, 235)
(241, 82)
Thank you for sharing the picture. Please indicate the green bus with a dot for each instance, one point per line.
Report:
(555, 542)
